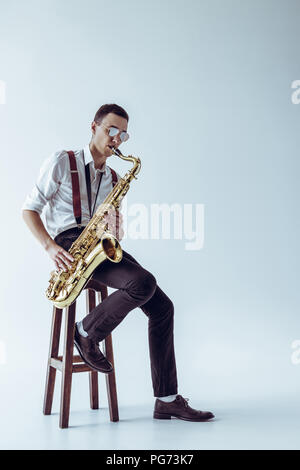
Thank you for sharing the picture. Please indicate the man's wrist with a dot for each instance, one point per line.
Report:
(46, 243)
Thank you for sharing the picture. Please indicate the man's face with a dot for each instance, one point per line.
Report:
(101, 139)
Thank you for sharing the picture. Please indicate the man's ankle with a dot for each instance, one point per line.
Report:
(80, 329)
(168, 398)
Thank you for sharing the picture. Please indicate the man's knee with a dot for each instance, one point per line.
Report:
(143, 286)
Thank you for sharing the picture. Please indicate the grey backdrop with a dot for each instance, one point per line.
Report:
(207, 85)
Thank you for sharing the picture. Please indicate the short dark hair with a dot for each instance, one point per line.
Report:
(110, 108)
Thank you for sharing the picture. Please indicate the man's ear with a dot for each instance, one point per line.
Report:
(93, 127)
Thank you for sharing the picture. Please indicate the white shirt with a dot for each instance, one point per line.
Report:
(53, 190)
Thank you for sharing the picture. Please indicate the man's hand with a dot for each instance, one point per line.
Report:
(62, 258)
(114, 219)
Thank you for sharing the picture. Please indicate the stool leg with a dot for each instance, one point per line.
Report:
(111, 382)
(66, 381)
(111, 377)
(94, 394)
(53, 352)
(93, 375)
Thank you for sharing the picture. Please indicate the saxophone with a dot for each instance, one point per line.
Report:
(93, 246)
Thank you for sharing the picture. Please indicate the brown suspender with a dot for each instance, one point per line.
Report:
(76, 187)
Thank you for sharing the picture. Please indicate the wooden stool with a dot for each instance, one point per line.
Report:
(69, 363)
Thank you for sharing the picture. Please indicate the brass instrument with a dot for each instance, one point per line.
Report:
(93, 246)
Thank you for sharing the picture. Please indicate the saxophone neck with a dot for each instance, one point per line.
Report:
(136, 161)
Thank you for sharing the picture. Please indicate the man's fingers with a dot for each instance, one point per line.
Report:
(114, 220)
(63, 260)
(68, 255)
(110, 217)
(57, 265)
(68, 260)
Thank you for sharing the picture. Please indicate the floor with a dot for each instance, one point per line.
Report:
(239, 424)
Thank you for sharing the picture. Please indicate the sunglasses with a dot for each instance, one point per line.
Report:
(113, 131)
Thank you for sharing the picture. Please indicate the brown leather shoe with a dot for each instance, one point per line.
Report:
(90, 353)
(180, 409)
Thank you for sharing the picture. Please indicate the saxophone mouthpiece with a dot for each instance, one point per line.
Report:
(116, 151)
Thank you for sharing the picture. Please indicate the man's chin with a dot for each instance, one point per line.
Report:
(108, 151)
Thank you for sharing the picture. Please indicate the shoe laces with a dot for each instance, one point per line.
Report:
(185, 400)
(94, 346)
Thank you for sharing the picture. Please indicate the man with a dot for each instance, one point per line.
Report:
(136, 287)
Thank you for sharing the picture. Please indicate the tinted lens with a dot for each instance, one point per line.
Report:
(113, 131)
(124, 136)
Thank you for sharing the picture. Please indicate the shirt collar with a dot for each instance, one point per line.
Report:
(89, 158)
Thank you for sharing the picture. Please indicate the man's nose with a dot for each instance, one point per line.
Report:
(117, 139)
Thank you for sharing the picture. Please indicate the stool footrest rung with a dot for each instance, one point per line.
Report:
(57, 363)
(81, 368)
(76, 358)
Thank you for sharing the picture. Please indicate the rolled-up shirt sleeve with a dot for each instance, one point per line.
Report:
(47, 184)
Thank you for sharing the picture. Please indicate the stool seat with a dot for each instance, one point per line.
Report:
(68, 363)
